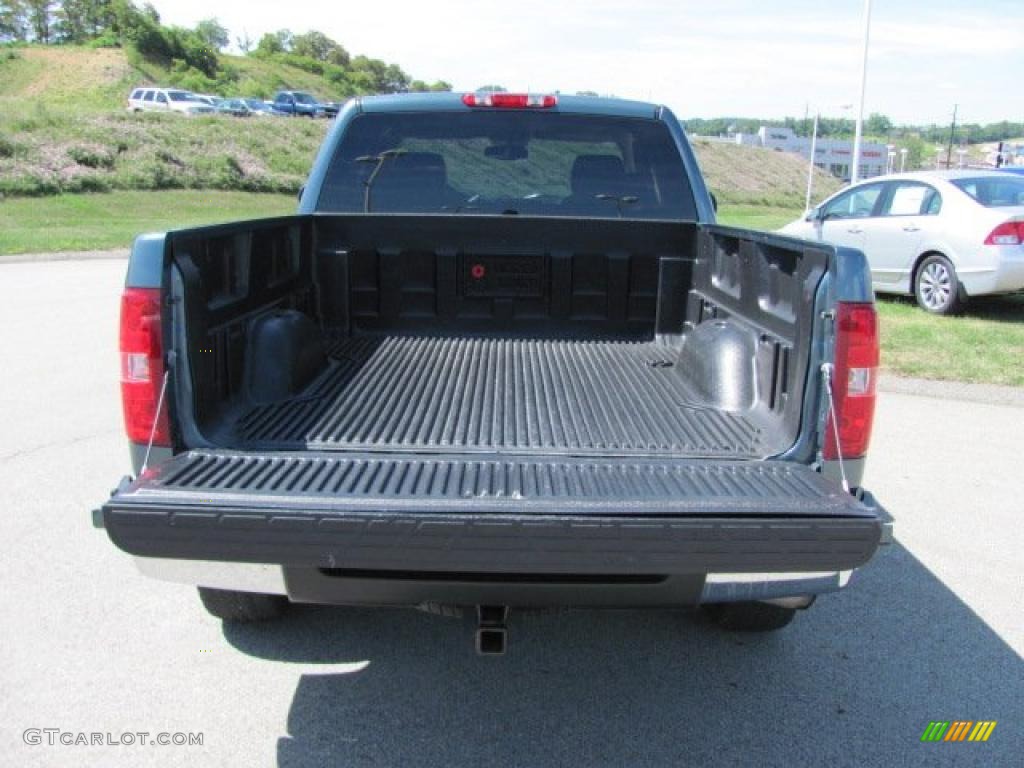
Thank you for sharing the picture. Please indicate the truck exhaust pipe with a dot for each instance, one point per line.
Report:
(492, 630)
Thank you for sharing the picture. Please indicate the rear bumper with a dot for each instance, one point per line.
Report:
(403, 530)
(549, 544)
(1005, 275)
(312, 585)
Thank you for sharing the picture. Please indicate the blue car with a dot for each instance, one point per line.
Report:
(299, 104)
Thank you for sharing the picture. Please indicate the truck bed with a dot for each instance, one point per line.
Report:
(439, 394)
(502, 335)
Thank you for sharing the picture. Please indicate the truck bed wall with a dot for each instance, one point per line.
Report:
(735, 314)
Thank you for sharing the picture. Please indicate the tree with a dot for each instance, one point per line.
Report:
(317, 45)
(274, 42)
(13, 20)
(493, 88)
(380, 77)
(40, 19)
(878, 125)
(213, 33)
(244, 43)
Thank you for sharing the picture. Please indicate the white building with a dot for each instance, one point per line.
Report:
(832, 155)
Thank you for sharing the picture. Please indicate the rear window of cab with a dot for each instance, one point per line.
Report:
(508, 162)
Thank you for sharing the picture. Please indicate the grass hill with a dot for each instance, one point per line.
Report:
(740, 175)
(85, 79)
(63, 128)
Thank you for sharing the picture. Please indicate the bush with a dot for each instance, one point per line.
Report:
(108, 39)
(8, 148)
(87, 183)
(29, 185)
(91, 158)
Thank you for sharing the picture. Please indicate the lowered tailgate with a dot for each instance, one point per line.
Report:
(508, 515)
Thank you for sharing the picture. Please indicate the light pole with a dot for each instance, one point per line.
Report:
(855, 171)
(903, 159)
(810, 169)
(814, 155)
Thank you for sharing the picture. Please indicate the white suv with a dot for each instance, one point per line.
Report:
(166, 100)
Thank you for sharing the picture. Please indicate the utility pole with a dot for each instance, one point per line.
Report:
(952, 130)
(855, 170)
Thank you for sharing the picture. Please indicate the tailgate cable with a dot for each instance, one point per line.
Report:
(156, 419)
(826, 377)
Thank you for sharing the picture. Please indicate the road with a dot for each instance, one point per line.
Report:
(931, 630)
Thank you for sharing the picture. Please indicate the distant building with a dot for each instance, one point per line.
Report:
(832, 155)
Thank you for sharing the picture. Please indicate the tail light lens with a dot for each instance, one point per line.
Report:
(510, 100)
(142, 366)
(1007, 233)
(854, 379)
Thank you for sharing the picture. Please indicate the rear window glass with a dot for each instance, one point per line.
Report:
(136, 94)
(493, 162)
(992, 191)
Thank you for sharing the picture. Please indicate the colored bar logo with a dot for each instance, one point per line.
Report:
(958, 730)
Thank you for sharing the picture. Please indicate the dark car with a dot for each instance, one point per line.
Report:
(260, 108)
(236, 107)
(300, 104)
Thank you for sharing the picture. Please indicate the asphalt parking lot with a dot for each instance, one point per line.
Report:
(931, 630)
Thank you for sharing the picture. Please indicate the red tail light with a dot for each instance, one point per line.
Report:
(142, 366)
(1007, 233)
(853, 380)
(509, 100)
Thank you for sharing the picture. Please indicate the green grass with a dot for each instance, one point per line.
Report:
(101, 221)
(985, 344)
(761, 217)
(45, 151)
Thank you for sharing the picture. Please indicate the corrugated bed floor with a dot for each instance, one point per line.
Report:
(482, 395)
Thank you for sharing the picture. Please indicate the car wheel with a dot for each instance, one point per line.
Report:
(242, 606)
(749, 616)
(936, 286)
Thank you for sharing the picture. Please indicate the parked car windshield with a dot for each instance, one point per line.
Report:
(992, 191)
(304, 98)
(180, 96)
(496, 162)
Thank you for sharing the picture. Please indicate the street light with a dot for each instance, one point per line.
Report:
(855, 171)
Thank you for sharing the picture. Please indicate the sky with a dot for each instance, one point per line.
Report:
(706, 58)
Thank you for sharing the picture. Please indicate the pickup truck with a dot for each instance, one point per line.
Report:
(299, 104)
(502, 356)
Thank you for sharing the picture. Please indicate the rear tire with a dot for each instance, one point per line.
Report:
(242, 606)
(749, 616)
(936, 286)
